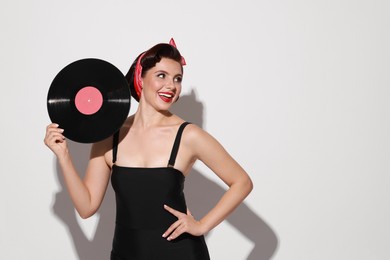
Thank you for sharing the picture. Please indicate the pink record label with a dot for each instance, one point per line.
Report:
(88, 100)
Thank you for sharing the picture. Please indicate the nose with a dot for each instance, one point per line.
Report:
(170, 84)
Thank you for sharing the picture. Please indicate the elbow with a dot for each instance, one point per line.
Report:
(248, 185)
(244, 186)
(85, 214)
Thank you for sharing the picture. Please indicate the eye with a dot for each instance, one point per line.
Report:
(178, 79)
(161, 75)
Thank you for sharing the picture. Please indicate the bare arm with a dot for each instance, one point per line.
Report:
(86, 194)
(211, 153)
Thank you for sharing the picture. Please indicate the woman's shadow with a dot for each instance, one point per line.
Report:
(201, 194)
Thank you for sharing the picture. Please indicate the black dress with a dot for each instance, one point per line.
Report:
(141, 218)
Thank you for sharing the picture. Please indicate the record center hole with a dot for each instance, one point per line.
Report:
(88, 100)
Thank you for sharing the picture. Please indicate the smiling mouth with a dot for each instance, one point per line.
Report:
(166, 97)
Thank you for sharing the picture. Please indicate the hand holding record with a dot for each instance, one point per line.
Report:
(55, 140)
(89, 99)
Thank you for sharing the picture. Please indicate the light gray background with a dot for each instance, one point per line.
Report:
(297, 91)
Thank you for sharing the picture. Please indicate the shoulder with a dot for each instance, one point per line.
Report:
(102, 147)
(197, 138)
(193, 132)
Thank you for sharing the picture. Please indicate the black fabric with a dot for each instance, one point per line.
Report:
(115, 141)
(141, 218)
(176, 144)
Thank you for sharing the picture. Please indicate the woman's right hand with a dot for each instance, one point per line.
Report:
(55, 140)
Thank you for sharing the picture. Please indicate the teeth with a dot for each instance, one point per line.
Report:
(166, 95)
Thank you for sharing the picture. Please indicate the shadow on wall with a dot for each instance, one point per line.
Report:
(98, 248)
(201, 201)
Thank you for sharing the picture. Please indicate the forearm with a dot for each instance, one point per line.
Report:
(232, 198)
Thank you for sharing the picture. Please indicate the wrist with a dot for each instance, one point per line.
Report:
(204, 228)
(64, 157)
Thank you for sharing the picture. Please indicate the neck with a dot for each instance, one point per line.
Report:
(146, 116)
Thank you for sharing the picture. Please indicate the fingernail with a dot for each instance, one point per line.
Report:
(163, 235)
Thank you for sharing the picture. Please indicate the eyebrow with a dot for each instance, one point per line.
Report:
(166, 72)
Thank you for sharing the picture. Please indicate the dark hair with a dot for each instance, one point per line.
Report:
(150, 58)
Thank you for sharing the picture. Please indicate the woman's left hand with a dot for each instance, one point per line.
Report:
(186, 223)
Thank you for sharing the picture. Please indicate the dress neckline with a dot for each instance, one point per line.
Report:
(171, 169)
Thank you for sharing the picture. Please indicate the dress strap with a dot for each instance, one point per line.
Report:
(176, 144)
(115, 140)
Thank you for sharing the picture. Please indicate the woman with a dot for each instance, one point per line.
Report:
(147, 161)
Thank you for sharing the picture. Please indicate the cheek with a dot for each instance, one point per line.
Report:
(150, 84)
(178, 93)
(178, 88)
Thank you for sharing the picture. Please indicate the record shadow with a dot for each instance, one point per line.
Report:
(201, 201)
(243, 218)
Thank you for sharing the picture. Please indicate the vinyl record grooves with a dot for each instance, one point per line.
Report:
(89, 99)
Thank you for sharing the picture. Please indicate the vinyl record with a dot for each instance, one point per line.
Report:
(89, 99)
